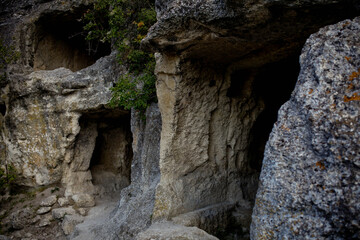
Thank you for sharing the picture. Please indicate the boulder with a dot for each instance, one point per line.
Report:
(310, 175)
(83, 200)
(43, 210)
(46, 220)
(59, 213)
(49, 201)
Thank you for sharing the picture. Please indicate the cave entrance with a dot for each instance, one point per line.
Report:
(256, 94)
(273, 85)
(60, 42)
(110, 162)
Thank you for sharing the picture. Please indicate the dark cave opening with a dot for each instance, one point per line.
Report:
(273, 84)
(270, 86)
(3, 109)
(257, 94)
(60, 42)
(110, 163)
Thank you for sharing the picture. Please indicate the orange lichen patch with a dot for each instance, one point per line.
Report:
(354, 75)
(320, 165)
(140, 24)
(351, 86)
(285, 128)
(345, 24)
(354, 97)
(339, 157)
(311, 91)
(348, 58)
(328, 92)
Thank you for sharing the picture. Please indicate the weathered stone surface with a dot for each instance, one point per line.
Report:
(214, 89)
(43, 108)
(46, 220)
(134, 211)
(171, 231)
(247, 31)
(69, 222)
(43, 210)
(21, 218)
(2, 237)
(63, 201)
(83, 200)
(309, 185)
(59, 213)
(43, 123)
(207, 121)
(49, 201)
(83, 211)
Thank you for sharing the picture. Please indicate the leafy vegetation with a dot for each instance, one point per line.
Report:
(124, 23)
(7, 178)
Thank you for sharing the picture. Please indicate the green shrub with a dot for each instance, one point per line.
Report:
(7, 178)
(124, 23)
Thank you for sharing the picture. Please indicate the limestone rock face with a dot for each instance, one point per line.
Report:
(309, 185)
(200, 28)
(223, 70)
(135, 208)
(42, 122)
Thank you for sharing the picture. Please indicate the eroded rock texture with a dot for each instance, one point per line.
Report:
(55, 126)
(309, 186)
(134, 212)
(224, 69)
(52, 124)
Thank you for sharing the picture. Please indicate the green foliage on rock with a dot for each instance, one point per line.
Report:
(7, 178)
(124, 23)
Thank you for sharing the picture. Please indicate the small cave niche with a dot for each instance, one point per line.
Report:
(273, 85)
(110, 163)
(256, 96)
(60, 42)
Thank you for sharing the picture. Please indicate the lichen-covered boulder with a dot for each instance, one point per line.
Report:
(310, 178)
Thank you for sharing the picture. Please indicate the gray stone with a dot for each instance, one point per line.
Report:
(49, 201)
(20, 218)
(310, 175)
(198, 28)
(2, 237)
(83, 200)
(59, 213)
(83, 211)
(63, 201)
(35, 219)
(43, 210)
(46, 220)
(69, 222)
(171, 231)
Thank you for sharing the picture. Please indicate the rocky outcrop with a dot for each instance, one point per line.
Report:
(251, 32)
(52, 123)
(224, 69)
(310, 176)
